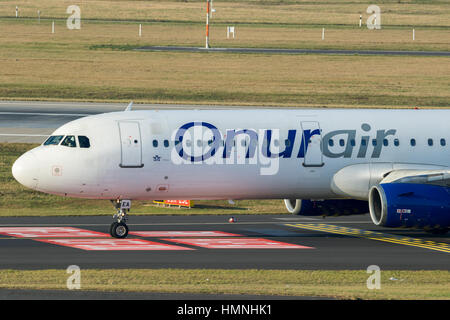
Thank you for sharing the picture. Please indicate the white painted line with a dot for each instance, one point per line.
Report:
(158, 234)
(49, 232)
(237, 243)
(113, 244)
(23, 135)
(46, 114)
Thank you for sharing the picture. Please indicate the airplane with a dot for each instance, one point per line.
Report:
(392, 163)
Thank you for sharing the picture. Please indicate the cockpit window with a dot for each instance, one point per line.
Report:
(69, 141)
(84, 142)
(53, 140)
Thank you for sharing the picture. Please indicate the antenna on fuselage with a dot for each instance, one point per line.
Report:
(129, 106)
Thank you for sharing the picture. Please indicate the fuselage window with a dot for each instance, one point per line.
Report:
(155, 143)
(83, 142)
(363, 142)
(396, 142)
(374, 142)
(341, 142)
(352, 142)
(69, 141)
(385, 142)
(430, 142)
(413, 142)
(53, 140)
(331, 142)
(287, 143)
(443, 143)
(166, 143)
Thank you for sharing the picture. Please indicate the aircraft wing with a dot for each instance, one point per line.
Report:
(432, 177)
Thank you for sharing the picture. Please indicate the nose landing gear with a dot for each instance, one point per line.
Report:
(119, 228)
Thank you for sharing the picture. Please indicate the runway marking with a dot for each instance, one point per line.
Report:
(49, 232)
(46, 114)
(184, 234)
(238, 243)
(113, 244)
(22, 135)
(372, 235)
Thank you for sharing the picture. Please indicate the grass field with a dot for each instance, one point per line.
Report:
(344, 284)
(395, 13)
(97, 63)
(71, 65)
(16, 200)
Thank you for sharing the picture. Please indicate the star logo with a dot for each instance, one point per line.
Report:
(156, 158)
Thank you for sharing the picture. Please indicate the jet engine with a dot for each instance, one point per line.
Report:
(424, 206)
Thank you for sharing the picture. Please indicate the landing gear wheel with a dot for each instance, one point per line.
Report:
(118, 230)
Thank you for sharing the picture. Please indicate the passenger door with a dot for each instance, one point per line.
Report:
(312, 140)
(131, 144)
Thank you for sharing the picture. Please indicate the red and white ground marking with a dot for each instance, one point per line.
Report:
(238, 243)
(184, 234)
(113, 244)
(49, 232)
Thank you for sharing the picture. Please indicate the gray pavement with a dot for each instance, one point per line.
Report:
(33, 121)
(295, 51)
(325, 250)
(23, 294)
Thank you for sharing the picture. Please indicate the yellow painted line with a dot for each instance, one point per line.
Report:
(378, 236)
(437, 246)
(382, 237)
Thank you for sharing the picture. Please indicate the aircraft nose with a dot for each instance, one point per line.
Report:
(26, 170)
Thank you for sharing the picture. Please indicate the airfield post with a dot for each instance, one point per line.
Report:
(208, 6)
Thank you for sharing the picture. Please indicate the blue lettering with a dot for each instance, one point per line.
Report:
(216, 141)
(307, 134)
(229, 142)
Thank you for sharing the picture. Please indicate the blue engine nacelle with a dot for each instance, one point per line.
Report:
(326, 207)
(423, 206)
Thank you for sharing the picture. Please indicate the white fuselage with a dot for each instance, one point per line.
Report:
(237, 154)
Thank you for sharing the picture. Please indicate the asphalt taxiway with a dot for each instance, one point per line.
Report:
(295, 51)
(253, 242)
(34, 121)
(23, 294)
